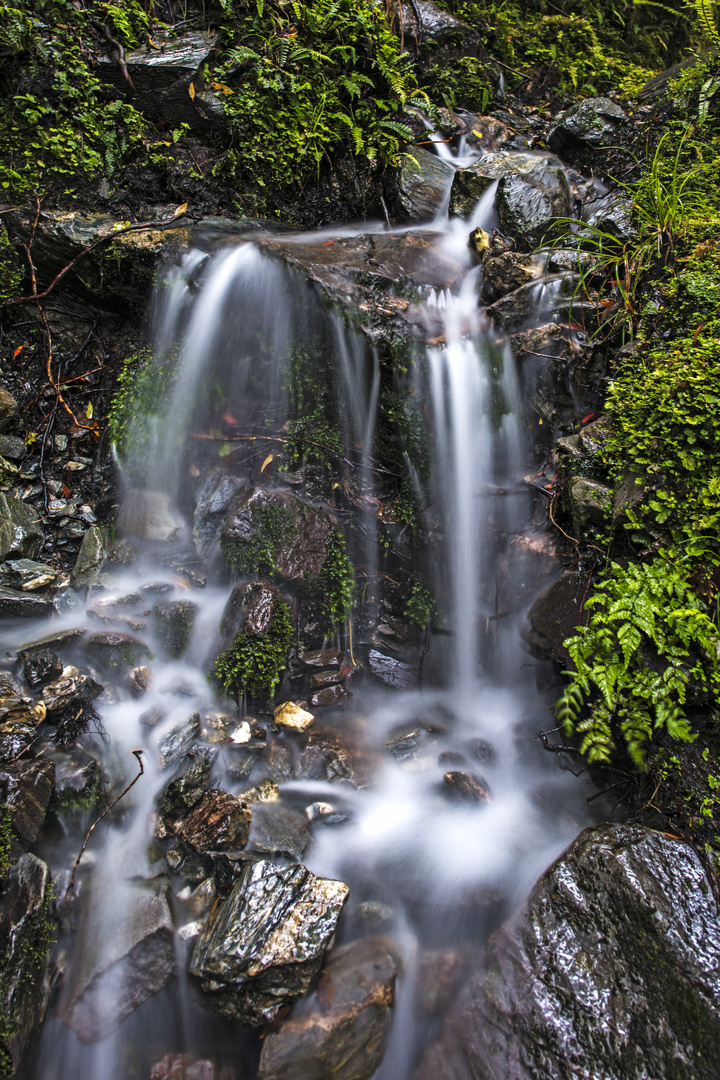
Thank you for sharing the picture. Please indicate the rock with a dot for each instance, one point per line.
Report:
(431, 34)
(423, 183)
(191, 1067)
(77, 781)
(72, 691)
(61, 642)
(611, 214)
(212, 500)
(530, 204)
(114, 652)
(593, 122)
(138, 680)
(8, 408)
(469, 185)
(439, 976)
(15, 737)
(218, 822)
(251, 607)
(327, 678)
(186, 788)
(174, 621)
(392, 672)
(504, 273)
(124, 967)
(20, 532)
(147, 515)
(539, 301)
(590, 502)
(465, 787)
(265, 792)
(91, 557)
(329, 755)
(330, 695)
(26, 787)
(292, 716)
(20, 605)
(405, 742)
(178, 741)
(13, 448)
(263, 946)
(25, 938)
(529, 564)
(278, 830)
(611, 969)
(31, 575)
(345, 1031)
(322, 658)
(554, 617)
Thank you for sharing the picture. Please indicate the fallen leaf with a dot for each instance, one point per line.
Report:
(180, 210)
(328, 243)
(89, 410)
(18, 351)
(586, 418)
(228, 418)
(66, 491)
(325, 992)
(222, 87)
(266, 462)
(191, 91)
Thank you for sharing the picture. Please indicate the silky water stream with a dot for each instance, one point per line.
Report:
(435, 875)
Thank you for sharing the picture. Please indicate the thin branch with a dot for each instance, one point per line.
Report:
(105, 31)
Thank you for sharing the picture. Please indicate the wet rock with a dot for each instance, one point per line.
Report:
(263, 946)
(147, 515)
(613, 963)
(529, 564)
(8, 408)
(265, 792)
(71, 691)
(16, 736)
(25, 937)
(191, 1067)
(593, 122)
(60, 642)
(114, 652)
(13, 448)
(465, 787)
(30, 575)
(278, 830)
(178, 741)
(330, 755)
(503, 273)
(438, 980)
(251, 607)
(174, 621)
(423, 182)
(138, 681)
(554, 617)
(218, 822)
(345, 1031)
(405, 742)
(124, 967)
(186, 789)
(330, 695)
(531, 203)
(212, 500)
(391, 671)
(538, 301)
(20, 532)
(322, 658)
(590, 502)
(77, 781)
(278, 761)
(91, 557)
(20, 605)
(152, 717)
(611, 214)
(327, 678)
(469, 185)
(292, 716)
(26, 787)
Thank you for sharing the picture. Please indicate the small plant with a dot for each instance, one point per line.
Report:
(421, 609)
(252, 664)
(142, 387)
(336, 584)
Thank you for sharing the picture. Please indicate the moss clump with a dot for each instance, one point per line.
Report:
(252, 664)
(271, 524)
(142, 387)
(336, 583)
(5, 839)
(421, 608)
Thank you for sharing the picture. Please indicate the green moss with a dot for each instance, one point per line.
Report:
(336, 582)
(464, 83)
(5, 839)
(271, 524)
(421, 608)
(252, 664)
(142, 387)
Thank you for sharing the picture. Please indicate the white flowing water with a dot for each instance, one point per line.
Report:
(441, 873)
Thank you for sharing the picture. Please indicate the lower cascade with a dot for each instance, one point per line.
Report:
(293, 679)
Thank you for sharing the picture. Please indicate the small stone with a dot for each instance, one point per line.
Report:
(278, 830)
(186, 789)
(12, 447)
(40, 665)
(219, 822)
(8, 408)
(267, 791)
(465, 787)
(32, 575)
(189, 1066)
(139, 680)
(322, 658)
(61, 443)
(15, 737)
(331, 695)
(178, 741)
(292, 716)
(93, 553)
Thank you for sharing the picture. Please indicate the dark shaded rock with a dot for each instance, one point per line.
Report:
(40, 665)
(25, 938)
(77, 781)
(186, 788)
(251, 607)
(345, 1032)
(217, 822)
(439, 976)
(554, 617)
(326, 678)
(612, 214)
(13, 448)
(323, 658)
(20, 533)
(590, 502)
(528, 565)
(22, 605)
(114, 652)
(26, 787)
(178, 741)
(392, 672)
(174, 621)
(330, 695)
(330, 755)
(8, 408)
(192, 1067)
(503, 273)
(30, 575)
(405, 742)
(530, 203)
(469, 185)
(423, 183)
(60, 642)
(72, 691)
(613, 963)
(212, 500)
(278, 830)
(91, 557)
(15, 737)
(127, 966)
(465, 787)
(539, 301)
(593, 122)
(263, 946)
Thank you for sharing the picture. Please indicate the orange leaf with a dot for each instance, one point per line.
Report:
(66, 491)
(18, 351)
(267, 461)
(180, 210)
(228, 418)
(191, 91)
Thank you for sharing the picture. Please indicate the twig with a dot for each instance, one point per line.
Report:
(423, 654)
(570, 538)
(105, 31)
(138, 755)
(265, 438)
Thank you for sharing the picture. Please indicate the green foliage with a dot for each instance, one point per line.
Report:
(252, 664)
(271, 524)
(142, 386)
(421, 609)
(302, 78)
(5, 839)
(647, 642)
(336, 582)
(11, 272)
(313, 432)
(464, 83)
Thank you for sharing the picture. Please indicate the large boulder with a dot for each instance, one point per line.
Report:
(263, 946)
(345, 1033)
(423, 183)
(611, 969)
(469, 185)
(25, 789)
(593, 122)
(20, 534)
(553, 618)
(531, 204)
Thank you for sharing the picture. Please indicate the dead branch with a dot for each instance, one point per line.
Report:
(114, 44)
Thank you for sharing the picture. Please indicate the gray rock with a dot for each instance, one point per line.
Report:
(330, 695)
(469, 185)
(26, 787)
(174, 621)
(178, 741)
(423, 183)
(25, 937)
(31, 575)
(553, 618)
(278, 830)
(218, 822)
(148, 515)
(531, 203)
(611, 969)
(611, 214)
(8, 408)
(263, 946)
(22, 605)
(330, 755)
(344, 1033)
(392, 672)
(593, 122)
(115, 972)
(465, 787)
(322, 658)
(114, 652)
(15, 737)
(539, 301)
(192, 1067)
(93, 553)
(186, 788)
(20, 532)
(590, 501)
(503, 273)
(211, 504)
(70, 692)
(11, 447)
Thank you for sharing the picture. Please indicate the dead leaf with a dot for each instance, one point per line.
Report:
(228, 418)
(18, 350)
(65, 491)
(222, 87)
(266, 462)
(182, 208)
(325, 992)
(191, 91)
(89, 410)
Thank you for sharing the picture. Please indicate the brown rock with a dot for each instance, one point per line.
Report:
(323, 658)
(465, 787)
(554, 617)
(217, 823)
(331, 695)
(191, 1067)
(26, 787)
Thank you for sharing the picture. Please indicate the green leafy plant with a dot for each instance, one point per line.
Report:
(647, 643)
(252, 664)
(142, 386)
(336, 583)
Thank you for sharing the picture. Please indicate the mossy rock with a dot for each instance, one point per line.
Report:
(257, 630)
